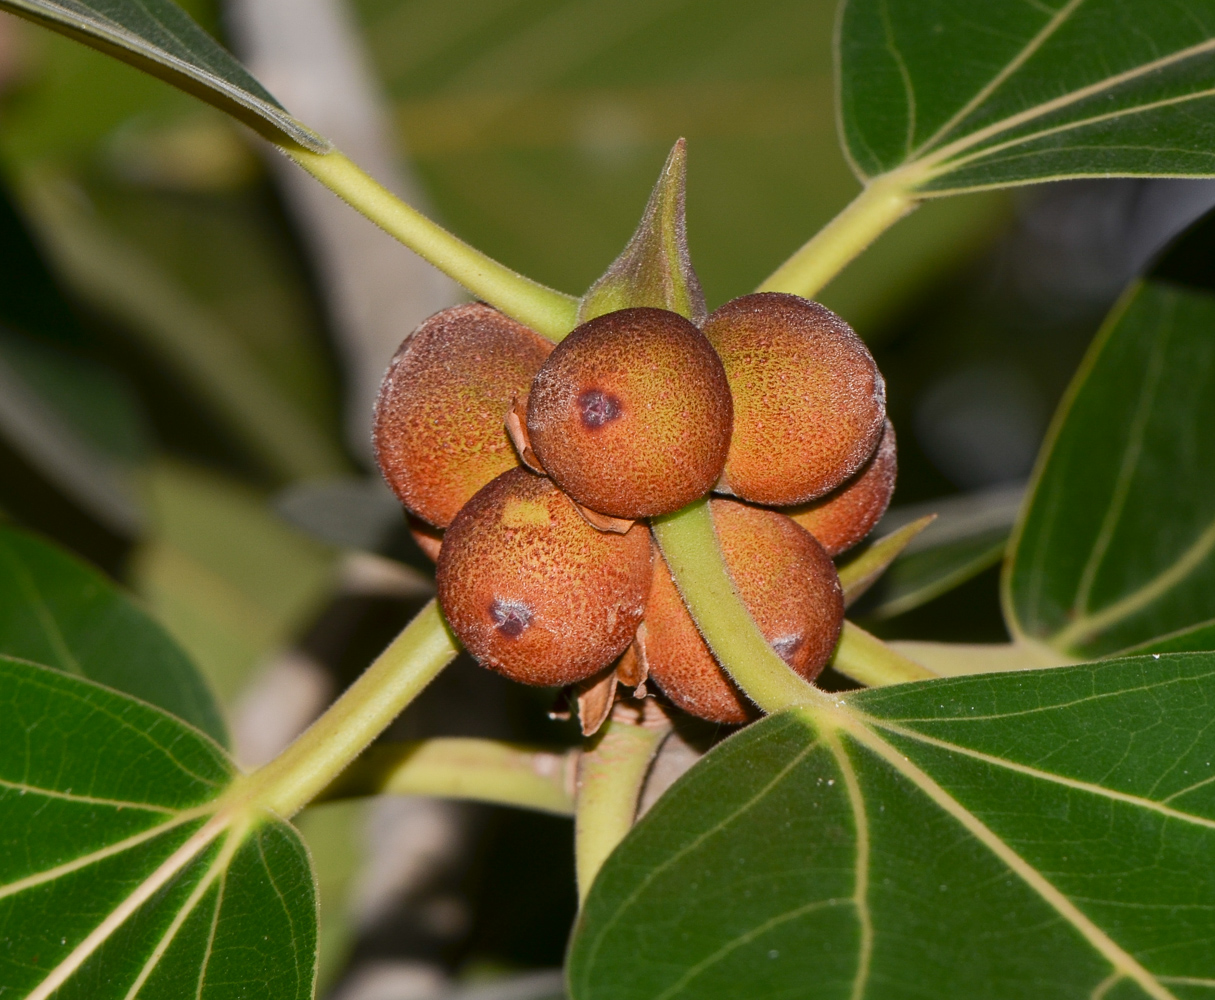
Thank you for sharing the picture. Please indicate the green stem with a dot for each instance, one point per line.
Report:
(878, 207)
(304, 769)
(454, 768)
(550, 313)
(610, 776)
(865, 658)
(689, 546)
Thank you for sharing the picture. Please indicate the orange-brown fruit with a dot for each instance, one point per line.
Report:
(631, 414)
(809, 402)
(439, 432)
(845, 516)
(532, 590)
(787, 582)
(426, 536)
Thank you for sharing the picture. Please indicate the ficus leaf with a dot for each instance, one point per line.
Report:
(160, 38)
(655, 268)
(57, 611)
(1020, 92)
(124, 869)
(1002, 836)
(1116, 549)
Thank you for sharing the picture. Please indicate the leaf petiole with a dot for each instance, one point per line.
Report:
(549, 312)
(327, 747)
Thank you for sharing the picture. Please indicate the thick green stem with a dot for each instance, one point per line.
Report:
(610, 775)
(550, 313)
(865, 658)
(689, 546)
(455, 768)
(304, 769)
(878, 207)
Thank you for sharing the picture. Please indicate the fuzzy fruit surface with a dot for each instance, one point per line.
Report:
(439, 433)
(809, 401)
(631, 414)
(532, 590)
(845, 516)
(788, 583)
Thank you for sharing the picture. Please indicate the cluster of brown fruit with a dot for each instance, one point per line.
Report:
(528, 471)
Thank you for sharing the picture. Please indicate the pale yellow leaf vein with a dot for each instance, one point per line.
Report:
(1120, 960)
(119, 915)
(1008, 70)
(1049, 776)
(206, 959)
(59, 871)
(23, 789)
(214, 869)
(860, 895)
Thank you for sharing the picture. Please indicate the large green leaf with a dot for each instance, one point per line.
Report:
(57, 611)
(123, 871)
(1011, 92)
(160, 38)
(1117, 546)
(1031, 835)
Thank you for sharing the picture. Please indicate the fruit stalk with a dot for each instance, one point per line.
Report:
(611, 772)
(544, 309)
(878, 207)
(398, 675)
(463, 768)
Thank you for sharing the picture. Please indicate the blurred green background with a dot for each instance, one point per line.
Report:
(169, 371)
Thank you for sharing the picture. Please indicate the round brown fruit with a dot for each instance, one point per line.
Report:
(845, 516)
(631, 414)
(439, 431)
(809, 402)
(787, 582)
(532, 590)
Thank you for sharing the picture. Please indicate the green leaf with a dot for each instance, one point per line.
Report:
(1030, 835)
(57, 611)
(1117, 545)
(1020, 92)
(160, 38)
(861, 572)
(123, 870)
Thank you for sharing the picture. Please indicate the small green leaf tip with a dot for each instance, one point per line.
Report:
(655, 268)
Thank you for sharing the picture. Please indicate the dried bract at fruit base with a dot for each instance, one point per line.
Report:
(532, 590)
(631, 414)
(845, 516)
(788, 583)
(439, 431)
(809, 401)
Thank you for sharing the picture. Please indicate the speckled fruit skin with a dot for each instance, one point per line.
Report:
(532, 590)
(787, 582)
(439, 431)
(845, 516)
(809, 402)
(631, 414)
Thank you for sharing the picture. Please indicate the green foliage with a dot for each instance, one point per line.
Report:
(1014, 835)
(158, 37)
(121, 871)
(1117, 546)
(56, 611)
(1026, 91)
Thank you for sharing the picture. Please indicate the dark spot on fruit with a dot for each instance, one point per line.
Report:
(598, 408)
(510, 617)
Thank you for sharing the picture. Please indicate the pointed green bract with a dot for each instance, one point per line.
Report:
(160, 38)
(57, 611)
(1020, 92)
(1012, 836)
(655, 268)
(121, 871)
(1116, 549)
